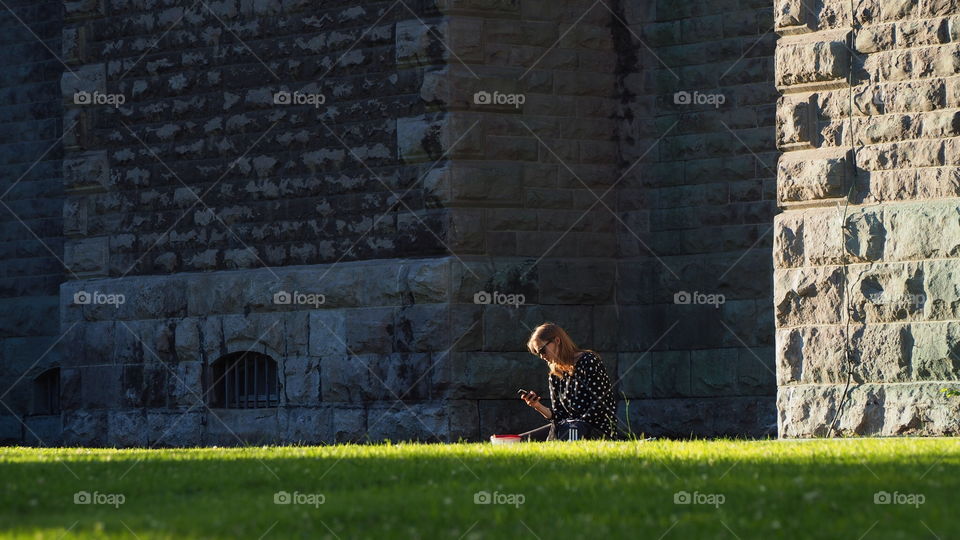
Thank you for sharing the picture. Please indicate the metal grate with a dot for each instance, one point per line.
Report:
(246, 381)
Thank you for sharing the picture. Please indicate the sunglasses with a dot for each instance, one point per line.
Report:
(541, 349)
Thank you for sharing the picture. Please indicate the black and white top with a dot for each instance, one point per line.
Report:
(586, 394)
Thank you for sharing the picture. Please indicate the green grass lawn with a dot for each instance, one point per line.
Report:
(739, 489)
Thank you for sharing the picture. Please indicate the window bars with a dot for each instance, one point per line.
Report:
(245, 381)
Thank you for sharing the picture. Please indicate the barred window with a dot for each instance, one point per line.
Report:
(245, 380)
(46, 392)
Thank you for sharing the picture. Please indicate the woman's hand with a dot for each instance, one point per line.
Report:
(531, 398)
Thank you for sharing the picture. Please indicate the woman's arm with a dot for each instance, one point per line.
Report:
(533, 400)
(543, 409)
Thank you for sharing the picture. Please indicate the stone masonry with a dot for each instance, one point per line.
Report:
(866, 250)
(384, 198)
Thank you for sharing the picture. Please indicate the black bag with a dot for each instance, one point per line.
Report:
(574, 430)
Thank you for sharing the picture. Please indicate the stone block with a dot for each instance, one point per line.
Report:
(929, 230)
(328, 335)
(11, 429)
(85, 428)
(706, 417)
(127, 429)
(301, 381)
(101, 386)
(240, 427)
(87, 79)
(795, 122)
(811, 62)
(870, 410)
(892, 292)
(811, 295)
(309, 425)
(89, 171)
(577, 282)
(349, 423)
(83, 9)
(174, 428)
(490, 184)
(636, 375)
(370, 330)
(788, 13)
(479, 375)
(931, 349)
(671, 374)
(810, 355)
(811, 179)
(431, 422)
(788, 240)
(511, 416)
(46, 430)
(713, 372)
(429, 137)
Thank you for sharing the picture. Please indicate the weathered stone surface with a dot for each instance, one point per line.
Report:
(236, 427)
(480, 375)
(506, 417)
(811, 179)
(11, 429)
(127, 428)
(174, 429)
(405, 197)
(712, 417)
(808, 295)
(872, 409)
(310, 425)
(794, 122)
(806, 62)
(46, 430)
(886, 320)
(85, 428)
(425, 422)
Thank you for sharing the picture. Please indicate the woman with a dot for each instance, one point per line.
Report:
(581, 396)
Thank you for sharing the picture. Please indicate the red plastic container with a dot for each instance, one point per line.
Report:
(505, 439)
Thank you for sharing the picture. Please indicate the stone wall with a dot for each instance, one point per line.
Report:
(696, 143)
(866, 249)
(446, 175)
(245, 134)
(420, 165)
(527, 216)
(31, 203)
(414, 153)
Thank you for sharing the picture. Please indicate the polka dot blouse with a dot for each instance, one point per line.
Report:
(585, 395)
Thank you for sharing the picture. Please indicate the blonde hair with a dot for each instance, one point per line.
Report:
(567, 350)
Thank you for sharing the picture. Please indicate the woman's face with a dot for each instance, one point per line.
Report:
(548, 350)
